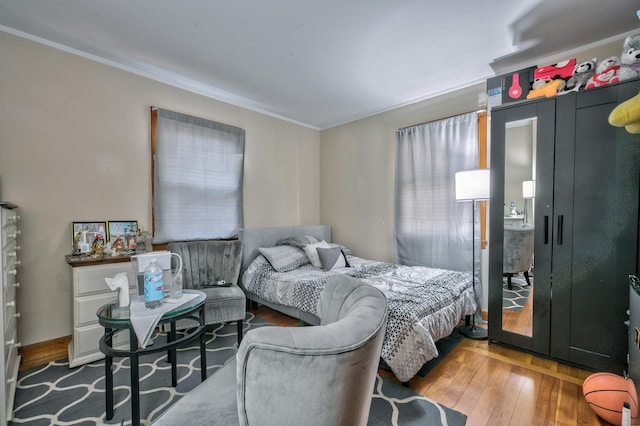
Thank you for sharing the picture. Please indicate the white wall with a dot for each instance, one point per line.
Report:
(75, 146)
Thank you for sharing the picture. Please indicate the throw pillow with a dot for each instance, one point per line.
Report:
(299, 241)
(332, 258)
(312, 253)
(345, 250)
(284, 258)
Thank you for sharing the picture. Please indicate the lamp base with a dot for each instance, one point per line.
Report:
(472, 332)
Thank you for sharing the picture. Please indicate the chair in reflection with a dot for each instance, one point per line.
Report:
(518, 252)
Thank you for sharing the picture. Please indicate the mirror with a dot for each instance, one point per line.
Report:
(519, 215)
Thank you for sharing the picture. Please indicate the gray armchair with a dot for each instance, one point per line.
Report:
(206, 262)
(518, 252)
(298, 375)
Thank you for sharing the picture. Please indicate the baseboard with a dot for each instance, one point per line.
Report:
(43, 352)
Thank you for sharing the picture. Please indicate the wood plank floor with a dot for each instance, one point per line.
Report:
(495, 385)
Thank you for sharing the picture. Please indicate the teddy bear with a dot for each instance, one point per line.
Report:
(606, 72)
(582, 72)
(627, 114)
(630, 58)
(546, 88)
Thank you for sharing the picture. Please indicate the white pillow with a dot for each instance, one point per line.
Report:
(312, 253)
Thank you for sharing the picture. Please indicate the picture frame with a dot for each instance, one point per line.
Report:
(84, 233)
(126, 229)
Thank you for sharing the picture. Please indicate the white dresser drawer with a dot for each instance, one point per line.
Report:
(9, 317)
(9, 277)
(10, 343)
(9, 252)
(10, 233)
(87, 306)
(90, 279)
(86, 339)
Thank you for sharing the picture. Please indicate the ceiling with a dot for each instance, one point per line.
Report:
(319, 63)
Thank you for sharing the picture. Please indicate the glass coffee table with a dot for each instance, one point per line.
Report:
(115, 319)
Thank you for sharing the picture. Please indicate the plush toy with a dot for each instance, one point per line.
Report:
(606, 72)
(630, 58)
(546, 88)
(561, 70)
(581, 75)
(627, 114)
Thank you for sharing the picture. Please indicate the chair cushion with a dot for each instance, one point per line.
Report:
(224, 304)
(212, 402)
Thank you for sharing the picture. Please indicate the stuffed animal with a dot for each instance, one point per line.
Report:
(627, 114)
(581, 75)
(606, 72)
(630, 58)
(546, 88)
(561, 70)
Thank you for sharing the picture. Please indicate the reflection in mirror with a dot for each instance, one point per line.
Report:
(519, 214)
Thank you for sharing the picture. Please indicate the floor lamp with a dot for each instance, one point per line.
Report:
(473, 185)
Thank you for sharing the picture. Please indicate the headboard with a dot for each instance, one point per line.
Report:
(254, 238)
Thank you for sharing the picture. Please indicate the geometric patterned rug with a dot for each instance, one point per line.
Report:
(54, 394)
(516, 298)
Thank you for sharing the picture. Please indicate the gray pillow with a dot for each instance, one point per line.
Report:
(332, 258)
(285, 258)
(299, 241)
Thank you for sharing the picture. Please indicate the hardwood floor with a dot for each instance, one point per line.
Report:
(519, 322)
(495, 385)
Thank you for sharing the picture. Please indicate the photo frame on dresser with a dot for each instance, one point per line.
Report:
(125, 229)
(84, 233)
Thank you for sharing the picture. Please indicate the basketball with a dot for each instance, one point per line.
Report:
(606, 393)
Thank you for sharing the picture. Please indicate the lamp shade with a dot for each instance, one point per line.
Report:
(528, 189)
(472, 185)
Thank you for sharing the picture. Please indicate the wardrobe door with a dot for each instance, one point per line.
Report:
(595, 227)
(522, 149)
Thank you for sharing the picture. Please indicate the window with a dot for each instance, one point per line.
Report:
(197, 178)
(429, 224)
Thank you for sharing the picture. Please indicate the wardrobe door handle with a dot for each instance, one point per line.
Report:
(546, 230)
(560, 226)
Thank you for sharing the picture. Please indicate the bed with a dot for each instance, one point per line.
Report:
(425, 304)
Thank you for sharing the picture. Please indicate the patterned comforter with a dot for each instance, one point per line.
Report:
(425, 304)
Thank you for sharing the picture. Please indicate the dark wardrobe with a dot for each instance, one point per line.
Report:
(584, 213)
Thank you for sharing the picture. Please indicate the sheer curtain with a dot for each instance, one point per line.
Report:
(198, 171)
(432, 229)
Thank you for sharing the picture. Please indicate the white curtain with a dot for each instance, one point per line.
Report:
(432, 229)
(198, 175)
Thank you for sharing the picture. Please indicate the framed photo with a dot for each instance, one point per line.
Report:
(84, 233)
(123, 229)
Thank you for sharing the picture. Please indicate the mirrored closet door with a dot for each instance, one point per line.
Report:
(521, 140)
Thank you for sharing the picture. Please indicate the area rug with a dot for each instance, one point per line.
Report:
(516, 298)
(55, 394)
